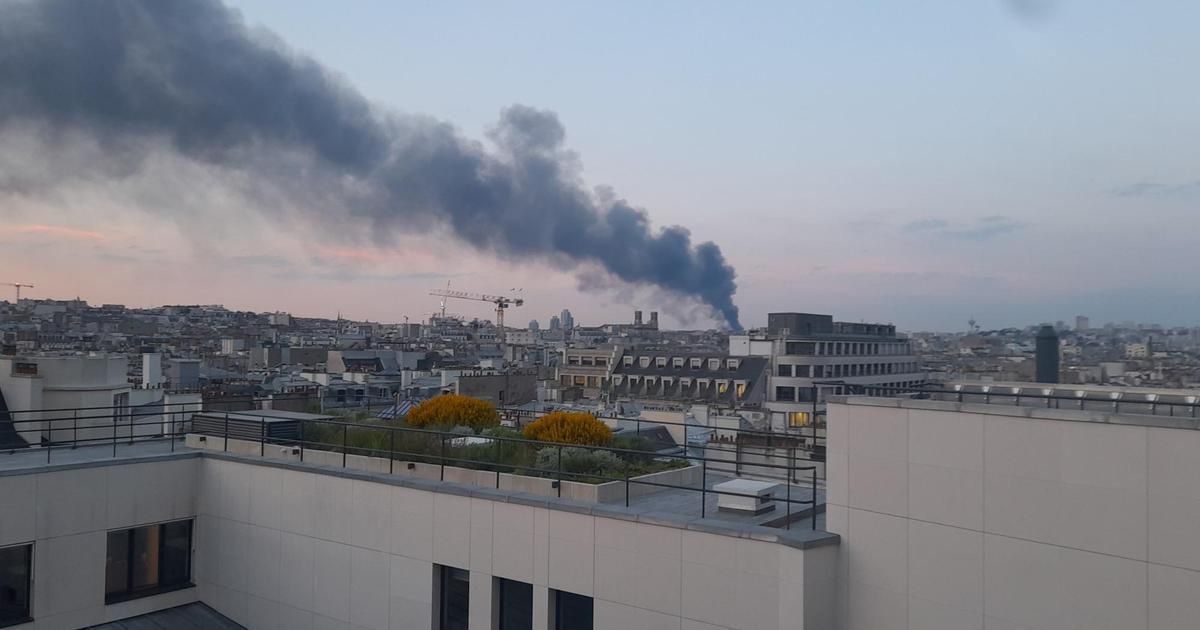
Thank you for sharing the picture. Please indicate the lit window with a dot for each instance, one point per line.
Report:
(798, 419)
(148, 560)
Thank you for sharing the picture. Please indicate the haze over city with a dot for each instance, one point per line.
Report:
(919, 163)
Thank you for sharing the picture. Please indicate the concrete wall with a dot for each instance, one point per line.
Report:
(66, 514)
(999, 518)
(288, 548)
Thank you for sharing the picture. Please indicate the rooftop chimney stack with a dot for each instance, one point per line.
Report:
(637, 318)
(654, 319)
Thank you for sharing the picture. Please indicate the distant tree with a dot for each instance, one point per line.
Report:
(454, 410)
(569, 427)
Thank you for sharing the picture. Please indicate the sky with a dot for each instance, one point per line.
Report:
(920, 163)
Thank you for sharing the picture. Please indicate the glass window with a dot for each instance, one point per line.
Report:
(803, 348)
(818, 371)
(15, 565)
(798, 419)
(801, 371)
(572, 612)
(785, 394)
(455, 598)
(148, 560)
(515, 604)
(785, 370)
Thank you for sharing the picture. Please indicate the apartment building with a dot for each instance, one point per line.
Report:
(587, 369)
(672, 375)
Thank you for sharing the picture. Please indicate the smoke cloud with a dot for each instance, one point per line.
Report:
(191, 75)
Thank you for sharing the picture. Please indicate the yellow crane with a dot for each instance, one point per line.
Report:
(501, 302)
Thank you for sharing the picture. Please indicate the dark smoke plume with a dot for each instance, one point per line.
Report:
(192, 74)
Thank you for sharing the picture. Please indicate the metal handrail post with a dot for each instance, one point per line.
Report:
(114, 438)
(704, 487)
(814, 499)
(559, 483)
(301, 441)
(74, 429)
(225, 446)
(788, 520)
(345, 443)
(391, 450)
(262, 437)
(442, 459)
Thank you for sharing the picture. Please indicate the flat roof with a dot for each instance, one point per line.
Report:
(265, 415)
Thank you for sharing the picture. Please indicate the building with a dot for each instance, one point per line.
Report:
(1137, 350)
(534, 325)
(566, 319)
(1082, 323)
(988, 509)
(555, 323)
(588, 370)
(671, 375)
(974, 515)
(812, 356)
(183, 373)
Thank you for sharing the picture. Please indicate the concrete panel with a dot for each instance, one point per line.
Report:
(370, 592)
(1104, 455)
(1173, 459)
(873, 608)
(371, 516)
(17, 509)
(512, 541)
(69, 573)
(614, 616)
(837, 480)
(71, 502)
(879, 484)
(297, 566)
(945, 566)
(951, 440)
(411, 603)
(481, 535)
(1173, 522)
(571, 552)
(645, 580)
(878, 555)
(878, 432)
(331, 504)
(1174, 598)
(926, 615)
(452, 530)
(266, 498)
(412, 523)
(949, 496)
(263, 563)
(332, 587)
(1023, 447)
(1043, 586)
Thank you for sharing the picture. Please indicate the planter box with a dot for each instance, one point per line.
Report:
(608, 492)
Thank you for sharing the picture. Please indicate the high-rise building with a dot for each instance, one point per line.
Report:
(1082, 323)
(555, 323)
(1048, 355)
(534, 325)
(568, 322)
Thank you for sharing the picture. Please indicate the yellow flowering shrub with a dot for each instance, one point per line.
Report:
(569, 427)
(454, 410)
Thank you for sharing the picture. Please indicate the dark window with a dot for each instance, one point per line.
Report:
(148, 560)
(15, 564)
(818, 371)
(515, 604)
(455, 598)
(572, 612)
(805, 394)
(785, 394)
(801, 347)
(785, 370)
(801, 371)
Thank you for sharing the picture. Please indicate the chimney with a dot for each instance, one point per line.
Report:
(654, 319)
(1047, 355)
(637, 318)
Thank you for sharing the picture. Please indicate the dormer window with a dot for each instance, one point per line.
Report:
(677, 362)
(644, 362)
(733, 365)
(696, 363)
(627, 361)
(660, 362)
(714, 364)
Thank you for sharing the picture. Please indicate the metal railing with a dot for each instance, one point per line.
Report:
(116, 426)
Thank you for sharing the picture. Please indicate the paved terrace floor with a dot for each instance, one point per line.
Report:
(677, 502)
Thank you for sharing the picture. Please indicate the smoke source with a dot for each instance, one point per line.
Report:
(191, 74)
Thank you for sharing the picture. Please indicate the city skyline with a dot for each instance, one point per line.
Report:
(898, 179)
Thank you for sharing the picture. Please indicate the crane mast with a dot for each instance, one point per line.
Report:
(501, 302)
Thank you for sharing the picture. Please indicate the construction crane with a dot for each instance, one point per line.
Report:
(502, 303)
(18, 285)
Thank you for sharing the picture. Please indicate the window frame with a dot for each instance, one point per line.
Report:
(444, 575)
(502, 588)
(28, 611)
(130, 592)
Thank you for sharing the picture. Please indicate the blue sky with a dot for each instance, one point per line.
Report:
(916, 162)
